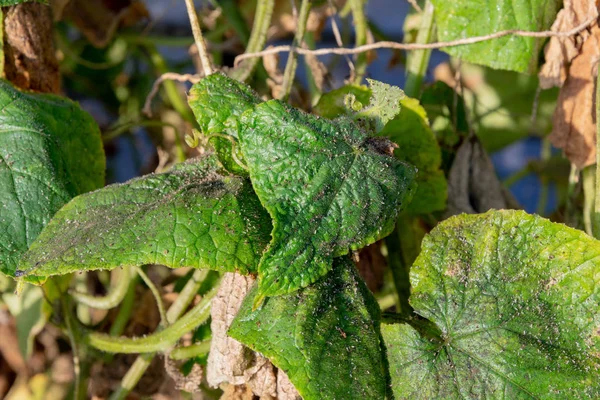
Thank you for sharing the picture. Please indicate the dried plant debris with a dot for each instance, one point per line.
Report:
(229, 361)
(560, 51)
(30, 62)
(473, 186)
(574, 123)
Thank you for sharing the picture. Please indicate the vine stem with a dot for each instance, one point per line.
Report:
(198, 38)
(194, 350)
(154, 290)
(115, 295)
(258, 38)
(159, 341)
(292, 62)
(418, 61)
(596, 219)
(360, 30)
(141, 364)
(416, 46)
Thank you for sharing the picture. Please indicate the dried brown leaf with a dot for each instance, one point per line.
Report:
(30, 62)
(229, 361)
(574, 122)
(285, 388)
(473, 186)
(560, 51)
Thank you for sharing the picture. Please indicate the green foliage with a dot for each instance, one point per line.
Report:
(416, 142)
(515, 299)
(325, 337)
(328, 187)
(192, 216)
(50, 151)
(465, 19)
(384, 105)
(217, 102)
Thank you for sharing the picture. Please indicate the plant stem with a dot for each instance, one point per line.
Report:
(198, 38)
(157, 298)
(116, 294)
(399, 272)
(589, 195)
(159, 341)
(418, 60)
(596, 219)
(292, 61)
(79, 384)
(573, 180)
(143, 361)
(258, 38)
(546, 153)
(194, 350)
(360, 30)
(173, 94)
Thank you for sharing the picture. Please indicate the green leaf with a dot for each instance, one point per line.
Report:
(329, 188)
(469, 18)
(191, 216)
(515, 298)
(333, 104)
(50, 151)
(416, 142)
(217, 102)
(325, 337)
(384, 105)
(418, 145)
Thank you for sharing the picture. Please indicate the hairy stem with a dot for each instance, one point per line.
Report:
(143, 361)
(113, 298)
(258, 38)
(292, 61)
(589, 195)
(159, 341)
(198, 38)
(194, 350)
(160, 65)
(157, 298)
(418, 60)
(360, 29)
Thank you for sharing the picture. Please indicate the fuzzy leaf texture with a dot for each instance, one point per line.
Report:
(470, 18)
(191, 216)
(515, 299)
(416, 142)
(218, 101)
(328, 187)
(50, 151)
(325, 337)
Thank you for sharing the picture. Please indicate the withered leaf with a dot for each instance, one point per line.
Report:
(574, 122)
(560, 51)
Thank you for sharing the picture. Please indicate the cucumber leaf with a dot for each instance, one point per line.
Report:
(217, 101)
(191, 216)
(328, 187)
(515, 298)
(469, 18)
(50, 151)
(325, 337)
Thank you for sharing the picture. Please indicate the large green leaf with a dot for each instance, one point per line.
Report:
(416, 142)
(516, 301)
(217, 102)
(329, 189)
(469, 18)
(191, 216)
(50, 151)
(325, 337)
